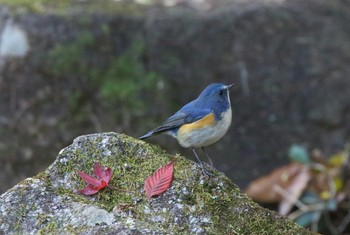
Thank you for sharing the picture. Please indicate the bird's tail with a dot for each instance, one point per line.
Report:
(155, 131)
(149, 134)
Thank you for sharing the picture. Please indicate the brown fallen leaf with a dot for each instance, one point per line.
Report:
(294, 190)
(263, 189)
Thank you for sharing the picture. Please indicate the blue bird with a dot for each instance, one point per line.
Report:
(201, 122)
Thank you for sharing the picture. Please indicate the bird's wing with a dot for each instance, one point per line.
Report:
(183, 116)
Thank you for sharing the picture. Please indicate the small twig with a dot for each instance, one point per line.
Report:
(287, 196)
(296, 214)
(332, 186)
(315, 219)
(318, 167)
(345, 222)
(313, 207)
(329, 224)
(119, 189)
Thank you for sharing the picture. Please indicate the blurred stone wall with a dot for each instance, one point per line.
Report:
(289, 61)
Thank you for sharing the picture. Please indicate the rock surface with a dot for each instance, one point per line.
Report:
(49, 202)
(288, 59)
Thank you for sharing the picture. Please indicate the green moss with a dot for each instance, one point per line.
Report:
(50, 228)
(64, 6)
(36, 5)
(127, 177)
(215, 200)
(41, 219)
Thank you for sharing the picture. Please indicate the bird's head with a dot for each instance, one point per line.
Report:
(217, 92)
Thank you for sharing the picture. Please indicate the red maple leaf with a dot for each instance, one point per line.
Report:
(95, 184)
(160, 181)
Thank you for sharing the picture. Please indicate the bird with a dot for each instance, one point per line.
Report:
(201, 122)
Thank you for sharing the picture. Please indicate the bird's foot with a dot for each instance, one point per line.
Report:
(206, 171)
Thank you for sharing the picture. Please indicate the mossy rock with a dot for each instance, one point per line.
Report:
(49, 203)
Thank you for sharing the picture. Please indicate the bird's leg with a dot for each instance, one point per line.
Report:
(206, 154)
(205, 171)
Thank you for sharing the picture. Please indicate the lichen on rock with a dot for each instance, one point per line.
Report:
(195, 204)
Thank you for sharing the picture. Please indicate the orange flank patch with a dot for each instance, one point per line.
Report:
(201, 123)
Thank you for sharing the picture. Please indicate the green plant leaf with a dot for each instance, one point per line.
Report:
(306, 219)
(298, 153)
(309, 198)
(331, 205)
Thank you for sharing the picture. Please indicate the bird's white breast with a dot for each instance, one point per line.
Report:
(206, 135)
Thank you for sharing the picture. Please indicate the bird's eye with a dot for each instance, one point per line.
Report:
(221, 92)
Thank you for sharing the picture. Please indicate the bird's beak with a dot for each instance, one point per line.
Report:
(229, 86)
